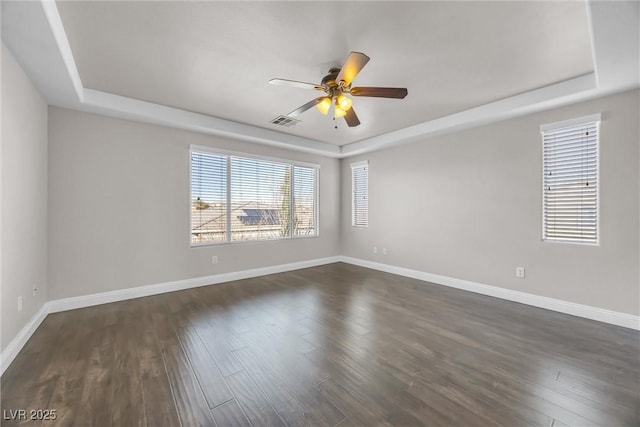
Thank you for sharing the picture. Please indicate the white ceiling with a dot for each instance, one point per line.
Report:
(216, 58)
(204, 66)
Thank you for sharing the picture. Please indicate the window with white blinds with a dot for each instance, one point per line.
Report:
(360, 194)
(570, 180)
(236, 198)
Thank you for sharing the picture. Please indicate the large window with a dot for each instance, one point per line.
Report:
(360, 194)
(235, 198)
(570, 183)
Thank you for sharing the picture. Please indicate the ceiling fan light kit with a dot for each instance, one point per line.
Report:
(343, 102)
(336, 85)
(324, 105)
(339, 112)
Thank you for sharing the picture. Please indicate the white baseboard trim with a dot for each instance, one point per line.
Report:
(16, 344)
(594, 313)
(178, 285)
(580, 310)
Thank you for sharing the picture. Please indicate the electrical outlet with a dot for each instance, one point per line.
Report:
(384, 251)
(20, 303)
(35, 290)
(520, 272)
(214, 259)
(375, 249)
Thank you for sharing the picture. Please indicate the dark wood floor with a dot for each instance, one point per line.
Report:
(331, 345)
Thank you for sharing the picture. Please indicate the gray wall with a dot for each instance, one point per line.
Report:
(468, 205)
(24, 199)
(119, 207)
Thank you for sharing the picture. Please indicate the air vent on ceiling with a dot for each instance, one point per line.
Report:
(285, 121)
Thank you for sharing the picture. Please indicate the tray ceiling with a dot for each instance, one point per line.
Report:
(216, 58)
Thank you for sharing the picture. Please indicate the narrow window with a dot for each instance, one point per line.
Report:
(570, 180)
(360, 194)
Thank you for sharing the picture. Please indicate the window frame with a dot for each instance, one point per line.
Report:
(354, 166)
(550, 127)
(230, 153)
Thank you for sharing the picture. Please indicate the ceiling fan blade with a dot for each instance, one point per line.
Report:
(351, 118)
(380, 92)
(305, 107)
(294, 83)
(352, 66)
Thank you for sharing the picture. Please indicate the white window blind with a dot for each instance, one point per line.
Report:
(260, 199)
(208, 198)
(360, 194)
(570, 183)
(237, 198)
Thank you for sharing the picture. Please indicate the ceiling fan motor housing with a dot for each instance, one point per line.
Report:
(331, 86)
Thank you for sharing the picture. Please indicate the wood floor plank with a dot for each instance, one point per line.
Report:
(285, 356)
(159, 406)
(126, 400)
(225, 358)
(192, 406)
(279, 396)
(252, 401)
(357, 412)
(93, 407)
(206, 369)
(299, 374)
(230, 414)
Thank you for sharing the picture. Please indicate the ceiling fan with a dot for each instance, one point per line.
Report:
(337, 85)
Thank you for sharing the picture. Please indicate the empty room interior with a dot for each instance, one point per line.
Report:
(317, 213)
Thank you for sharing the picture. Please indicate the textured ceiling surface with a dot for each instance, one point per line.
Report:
(216, 58)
